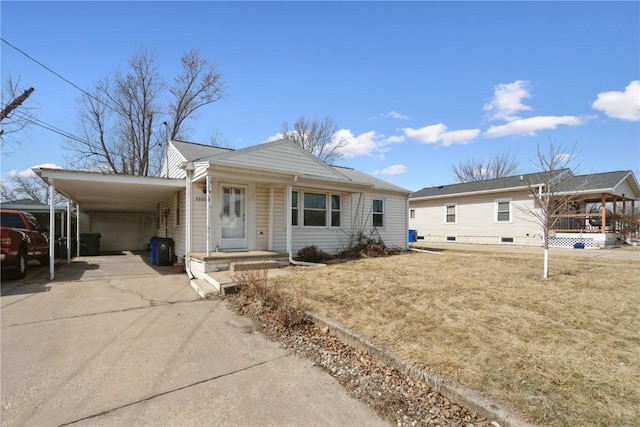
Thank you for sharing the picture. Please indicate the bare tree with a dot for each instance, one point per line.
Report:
(477, 169)
(16, 116)
(553, 191)
(29, 187)
(317, 137)
(124, 121)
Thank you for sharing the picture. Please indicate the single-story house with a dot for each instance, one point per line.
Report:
(501, 211)
(274, 196)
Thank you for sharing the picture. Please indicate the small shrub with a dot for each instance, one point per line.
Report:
(312, 254)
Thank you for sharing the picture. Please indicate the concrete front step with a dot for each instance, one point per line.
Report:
(204, 288)
(254, 265)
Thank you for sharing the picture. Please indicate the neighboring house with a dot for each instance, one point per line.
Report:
(269, 197)
(498, 211)
(42, 213)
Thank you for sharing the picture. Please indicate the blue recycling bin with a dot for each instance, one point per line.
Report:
(154, 250)
(411, 236)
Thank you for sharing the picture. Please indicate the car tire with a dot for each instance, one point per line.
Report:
(21, 265)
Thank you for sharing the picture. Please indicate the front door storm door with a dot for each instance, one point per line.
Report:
(234, 225)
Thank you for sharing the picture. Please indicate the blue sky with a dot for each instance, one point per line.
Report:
(415, 86)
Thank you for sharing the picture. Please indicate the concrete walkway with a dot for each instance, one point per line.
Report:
(116, 341)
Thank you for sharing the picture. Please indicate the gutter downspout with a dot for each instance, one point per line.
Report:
(289, 228)
(77, 229)
(69, 232)
(189, 168)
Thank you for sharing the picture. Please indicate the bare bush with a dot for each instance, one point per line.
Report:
(258, 297)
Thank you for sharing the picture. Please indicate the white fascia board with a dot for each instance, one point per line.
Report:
(68, 175)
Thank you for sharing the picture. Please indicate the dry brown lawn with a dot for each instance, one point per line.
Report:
(560, 352)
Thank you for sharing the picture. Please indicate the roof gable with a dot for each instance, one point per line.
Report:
(282, 156)
(191, 151)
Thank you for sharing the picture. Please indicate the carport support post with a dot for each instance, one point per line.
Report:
(77, 229)
(52, 228)
(287, 204)
(208, 201)
(68, 231)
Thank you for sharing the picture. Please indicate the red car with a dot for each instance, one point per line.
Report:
(22, 239)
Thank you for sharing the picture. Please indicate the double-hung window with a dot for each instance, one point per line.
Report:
(335, 210)
(503, 210)
(315, 209)
(450, 213)
(378, 212)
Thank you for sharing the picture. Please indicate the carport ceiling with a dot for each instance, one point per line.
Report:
(101, 192)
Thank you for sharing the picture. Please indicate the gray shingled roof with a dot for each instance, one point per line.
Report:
(604, 181)
(192, 151)
(496, 184)
(378, 184)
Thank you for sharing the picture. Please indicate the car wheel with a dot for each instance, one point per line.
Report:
(21, 265)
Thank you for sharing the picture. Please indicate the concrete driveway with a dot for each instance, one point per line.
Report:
(116, 341)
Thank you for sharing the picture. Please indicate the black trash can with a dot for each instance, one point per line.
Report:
(90, 243)
(60, 247)
(164, 251)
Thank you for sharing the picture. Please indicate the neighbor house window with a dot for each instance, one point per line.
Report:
(294, 208)
(335, 210)
(378, 212)
(503, 210)
(450, 213)
(315, 209)
(412, 213)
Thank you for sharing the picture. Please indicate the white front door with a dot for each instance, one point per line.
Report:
(234, 224)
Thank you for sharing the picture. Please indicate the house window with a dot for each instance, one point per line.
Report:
(503, 210)
(412, 213)
(450, 213)
(294, 208)
(315, 209)
(335, 210)
(507, 240)
(451, 239)
(378, 212)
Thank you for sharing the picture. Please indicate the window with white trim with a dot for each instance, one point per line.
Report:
(294, 208)
(450, 213)
(335, 210)
(503, 210)
(377, 210)
(315, 210)
(412, 213)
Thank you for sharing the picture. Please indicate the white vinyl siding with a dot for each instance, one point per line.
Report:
(476, 219)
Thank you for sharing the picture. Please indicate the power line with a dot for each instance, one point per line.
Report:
(50, 127)
(59, 76)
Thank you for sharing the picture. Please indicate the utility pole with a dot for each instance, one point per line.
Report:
(15, 103)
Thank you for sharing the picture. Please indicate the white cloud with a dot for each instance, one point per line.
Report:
(564, 157)
(434, 134)
(392, 170)
(361, 145)
(426, 135)
(621, 105)
(531, 125)
(459, 136)
(27, 173)
(275, 137)
(395, 115)
(507, 100)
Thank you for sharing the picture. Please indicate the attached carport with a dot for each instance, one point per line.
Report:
(122, 208)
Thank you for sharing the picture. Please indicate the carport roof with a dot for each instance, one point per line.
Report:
(103, 192)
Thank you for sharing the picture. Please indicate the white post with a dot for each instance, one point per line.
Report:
(208, 202)
(270, 226)
(77, 229)
(68, 231)
(287, 208)
(52, 228)
(187, 199)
